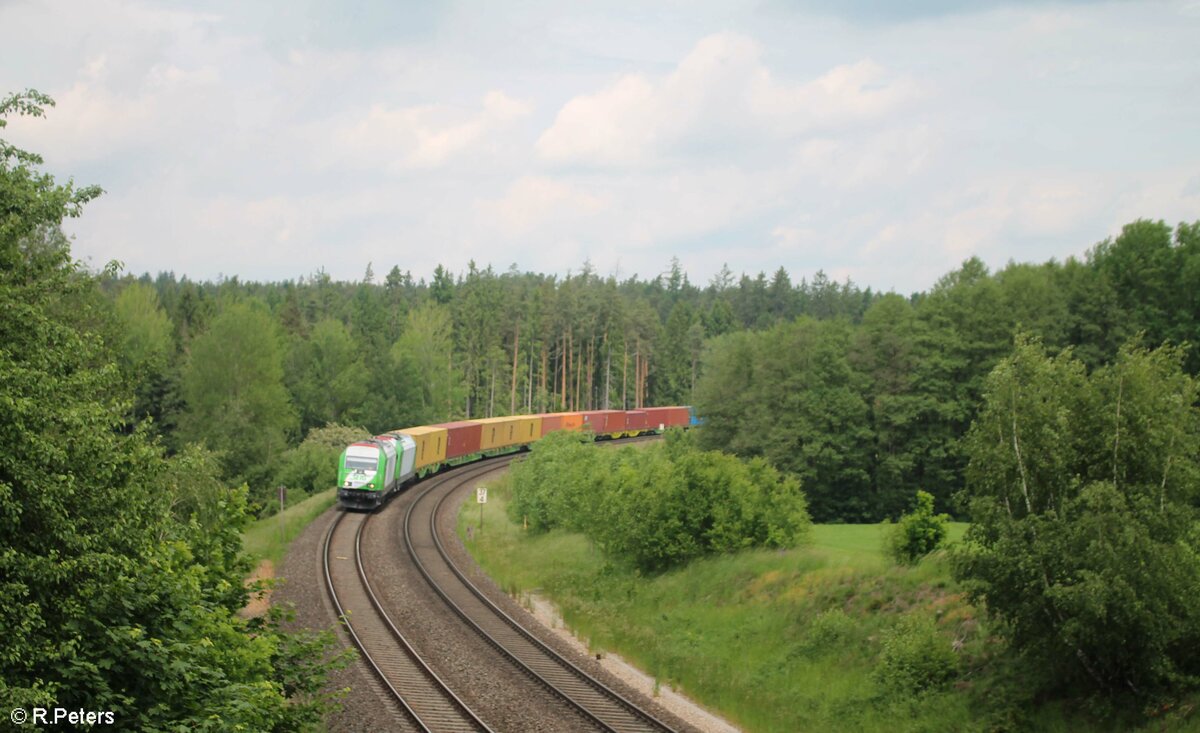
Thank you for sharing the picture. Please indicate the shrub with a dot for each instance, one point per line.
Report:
(311, 467)
(918, 533)
(831, 630)
(915, 657)
(657, 507)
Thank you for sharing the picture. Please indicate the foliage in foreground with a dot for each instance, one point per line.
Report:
(1085, 544)
(658, 506)
(120, 569)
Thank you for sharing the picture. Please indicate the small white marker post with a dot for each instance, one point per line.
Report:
(481, 499)
(282, 521)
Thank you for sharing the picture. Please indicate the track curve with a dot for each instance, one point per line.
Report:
(424, 702)
(605, 708)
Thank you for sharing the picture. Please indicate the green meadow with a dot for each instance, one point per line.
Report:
(268, 538)
(828, 636)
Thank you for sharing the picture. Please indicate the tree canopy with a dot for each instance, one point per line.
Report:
(1083, 492)
(120, 569)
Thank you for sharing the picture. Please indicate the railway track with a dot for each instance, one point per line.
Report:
(605, 708)
(423, 701)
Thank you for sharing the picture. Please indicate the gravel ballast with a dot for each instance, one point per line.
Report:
(506, 699)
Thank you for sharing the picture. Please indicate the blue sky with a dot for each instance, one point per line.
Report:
(881, 142)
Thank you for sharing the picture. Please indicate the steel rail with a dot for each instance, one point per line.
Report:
(426, 703)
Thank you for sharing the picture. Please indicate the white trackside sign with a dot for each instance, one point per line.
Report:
(481, 495)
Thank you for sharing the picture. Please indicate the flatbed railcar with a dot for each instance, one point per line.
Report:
(371, 470)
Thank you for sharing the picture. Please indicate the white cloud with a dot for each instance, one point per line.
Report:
(1172, 195)
(986, 218)
(424, 136)
(538, 202)
(720, 95)
(880, 158)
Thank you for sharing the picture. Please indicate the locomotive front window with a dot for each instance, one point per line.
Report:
(362, 464)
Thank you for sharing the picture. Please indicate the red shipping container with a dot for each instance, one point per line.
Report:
(636, 420)
(678, 417)
(551, 421)
(603, 422)
(462, 438)
(657, 417)
(668, 417)
(595, 421)
(614, 421)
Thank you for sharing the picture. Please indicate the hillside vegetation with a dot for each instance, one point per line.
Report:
(830, 636)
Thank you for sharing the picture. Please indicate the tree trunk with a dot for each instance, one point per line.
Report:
(625, 373)
(492, 394)
(512, 401)
(542, 392)
(607, 369)
(562, 363)
(591, 371)
(637, 375)
(529, 385)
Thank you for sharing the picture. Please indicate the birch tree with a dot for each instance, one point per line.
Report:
(1083, 489)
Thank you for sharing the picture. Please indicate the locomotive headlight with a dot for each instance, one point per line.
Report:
(370, 486)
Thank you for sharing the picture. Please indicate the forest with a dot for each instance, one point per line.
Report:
(864, 396)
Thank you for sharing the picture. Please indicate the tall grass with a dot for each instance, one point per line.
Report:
(268, 538)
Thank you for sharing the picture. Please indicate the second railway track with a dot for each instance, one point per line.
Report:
(424, 702)
(604, 707)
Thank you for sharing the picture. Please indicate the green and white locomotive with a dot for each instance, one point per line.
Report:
(371, 470)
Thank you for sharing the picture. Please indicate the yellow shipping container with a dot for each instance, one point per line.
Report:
(502, 432)
(431, 444)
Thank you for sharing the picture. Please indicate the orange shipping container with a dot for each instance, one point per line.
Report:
(431, 444)
(502, 432)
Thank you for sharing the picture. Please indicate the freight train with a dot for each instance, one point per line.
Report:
(370, 470)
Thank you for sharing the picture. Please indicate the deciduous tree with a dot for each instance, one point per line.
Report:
(233, 385)
(1083, 494)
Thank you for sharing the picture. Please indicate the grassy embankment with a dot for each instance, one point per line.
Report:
(263, 540)
(773, 640)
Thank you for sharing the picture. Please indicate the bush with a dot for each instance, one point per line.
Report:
(830, 631)
(311, 467)
(915, 657)
(660, 506)
(918, 533)
(556, 485)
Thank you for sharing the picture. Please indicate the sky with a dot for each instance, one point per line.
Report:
(880, 142)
